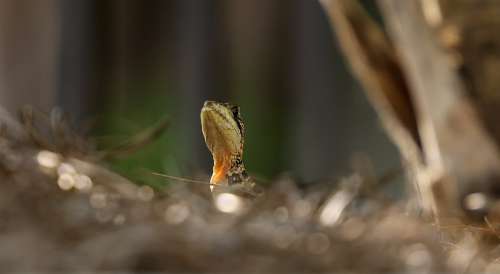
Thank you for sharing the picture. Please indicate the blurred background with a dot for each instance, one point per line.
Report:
(120, 66)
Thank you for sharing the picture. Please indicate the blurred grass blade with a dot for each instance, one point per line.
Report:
(138, 141)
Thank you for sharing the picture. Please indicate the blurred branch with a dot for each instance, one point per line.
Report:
(429, 69)
(138, 141)
(461, 156)
(374, 62)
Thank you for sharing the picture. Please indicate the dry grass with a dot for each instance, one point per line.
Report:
(53, 218)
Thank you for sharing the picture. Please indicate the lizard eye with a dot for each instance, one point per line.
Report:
(236, 111)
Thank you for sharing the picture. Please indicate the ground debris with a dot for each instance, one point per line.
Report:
(65, 212)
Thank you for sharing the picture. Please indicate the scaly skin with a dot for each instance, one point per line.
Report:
(224, 131)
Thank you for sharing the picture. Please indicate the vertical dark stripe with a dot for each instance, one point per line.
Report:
(76, 87)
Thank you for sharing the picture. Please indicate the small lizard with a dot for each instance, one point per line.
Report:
(224, 131)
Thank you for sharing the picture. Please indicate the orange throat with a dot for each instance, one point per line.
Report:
(220, 169)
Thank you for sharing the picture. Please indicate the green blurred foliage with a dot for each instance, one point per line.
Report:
(265, 132)
(135, 112)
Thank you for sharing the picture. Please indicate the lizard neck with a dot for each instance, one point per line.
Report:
(228, 170)
(237, 172)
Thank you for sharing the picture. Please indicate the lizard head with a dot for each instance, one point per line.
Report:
(223, 131)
